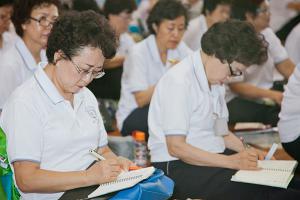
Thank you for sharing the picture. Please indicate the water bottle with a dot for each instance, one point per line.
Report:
(141, 151)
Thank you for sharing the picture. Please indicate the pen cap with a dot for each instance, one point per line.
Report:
(139, 136)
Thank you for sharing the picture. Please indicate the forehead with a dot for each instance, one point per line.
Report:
(90, 55)
(179, 20)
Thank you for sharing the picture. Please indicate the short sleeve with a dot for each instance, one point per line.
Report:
(135, 76)
(276, 50)
(24, 129)
(175, 108)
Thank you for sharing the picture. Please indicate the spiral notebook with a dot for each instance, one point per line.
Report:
(125, 180)
(275, 173)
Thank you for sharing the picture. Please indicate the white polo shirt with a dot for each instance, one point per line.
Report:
(262, 75)
(42, 127)
(292, 44)
(142, 69)
(126, 42)
(9, 39)
(196, 28)
(183, 104)
(289, 123)
(16, 66)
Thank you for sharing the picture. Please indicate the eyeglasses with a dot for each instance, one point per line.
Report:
(234, 73)
(88, 73)
(43, 21)
(263, 10)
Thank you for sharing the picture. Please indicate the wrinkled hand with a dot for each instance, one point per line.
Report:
(103, 171)
(124, 163)
(246, 160)
(262, 154)
(277, 97)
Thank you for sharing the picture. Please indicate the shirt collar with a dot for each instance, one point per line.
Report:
(200, 71)
(27, 56)
(47, 85)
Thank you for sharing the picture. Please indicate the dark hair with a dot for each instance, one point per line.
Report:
(6, 3)
(76, 30)
(241, 7)
(82, 5)
(23, 9)
(235, 40)
(166, 9)
(115, 7)
(211, 5)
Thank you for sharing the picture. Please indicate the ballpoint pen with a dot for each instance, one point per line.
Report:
(97, 155)
(246, 146)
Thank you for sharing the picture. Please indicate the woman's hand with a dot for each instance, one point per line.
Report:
(103, 171)
(124, 163)
(246, 160)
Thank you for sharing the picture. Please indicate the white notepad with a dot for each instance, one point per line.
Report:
(276, 173)
(125, 180)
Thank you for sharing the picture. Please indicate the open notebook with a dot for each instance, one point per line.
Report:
(125, 180)
(276, 173)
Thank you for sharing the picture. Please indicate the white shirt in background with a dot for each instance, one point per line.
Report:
(280, 13)
(17, 65)
(183, 104)
(289, 123)
(42, 127)
(143, 68)
(126, 42)
(196, 28)
(292, 44)
(262, 76)
(9, 39)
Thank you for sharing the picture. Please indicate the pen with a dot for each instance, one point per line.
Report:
(271, 151)
(246, 146)
(97, 155)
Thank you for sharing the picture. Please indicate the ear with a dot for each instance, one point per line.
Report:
(249, 16)
(154, 26)
(58, 56)
(23, 26)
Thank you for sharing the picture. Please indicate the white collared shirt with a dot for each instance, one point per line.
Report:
(183, 104)
(262, 76)
(289, 123)
(42, 127)
(142, 69)
(292, 44)
(196, 28)
(16, 66)
(126, 42)
(9, 39)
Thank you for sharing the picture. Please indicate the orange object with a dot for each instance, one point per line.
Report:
(134, 168)
(139, 136)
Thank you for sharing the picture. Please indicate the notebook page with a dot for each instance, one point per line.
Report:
(125, 180)
(286, 165)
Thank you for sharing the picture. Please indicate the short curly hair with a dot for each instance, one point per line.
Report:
(166, 9)
(115, 7)
(76, 30)
(6, 3)
(240, 8)
(235, 40)
(22, 11)
(211, 5)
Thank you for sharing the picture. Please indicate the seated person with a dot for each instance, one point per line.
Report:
(7, 38)
(118, 13)
(33, 20)
(249, 101)
(52, 120)
(188, 134)
(213, 11)
(289, 123)
(148, 61)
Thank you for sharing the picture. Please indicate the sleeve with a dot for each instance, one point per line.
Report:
(175, 108)
(24, 131)
(135, 76)
(276, 50)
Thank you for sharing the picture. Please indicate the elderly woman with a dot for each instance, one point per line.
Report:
(52, 120)
(148, 61)
(33, 20)
(188, 133)
(258, 85)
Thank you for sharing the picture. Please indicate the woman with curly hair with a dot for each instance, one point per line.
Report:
(52, 120)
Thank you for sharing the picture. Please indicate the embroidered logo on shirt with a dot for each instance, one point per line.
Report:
(92, 113)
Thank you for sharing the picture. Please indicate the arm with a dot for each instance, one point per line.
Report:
(286, 68)
(115, 62)
(233, 143)
(178, 147)
(143, 98)
(250, 91)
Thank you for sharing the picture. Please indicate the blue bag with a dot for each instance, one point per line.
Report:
(156, 187)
